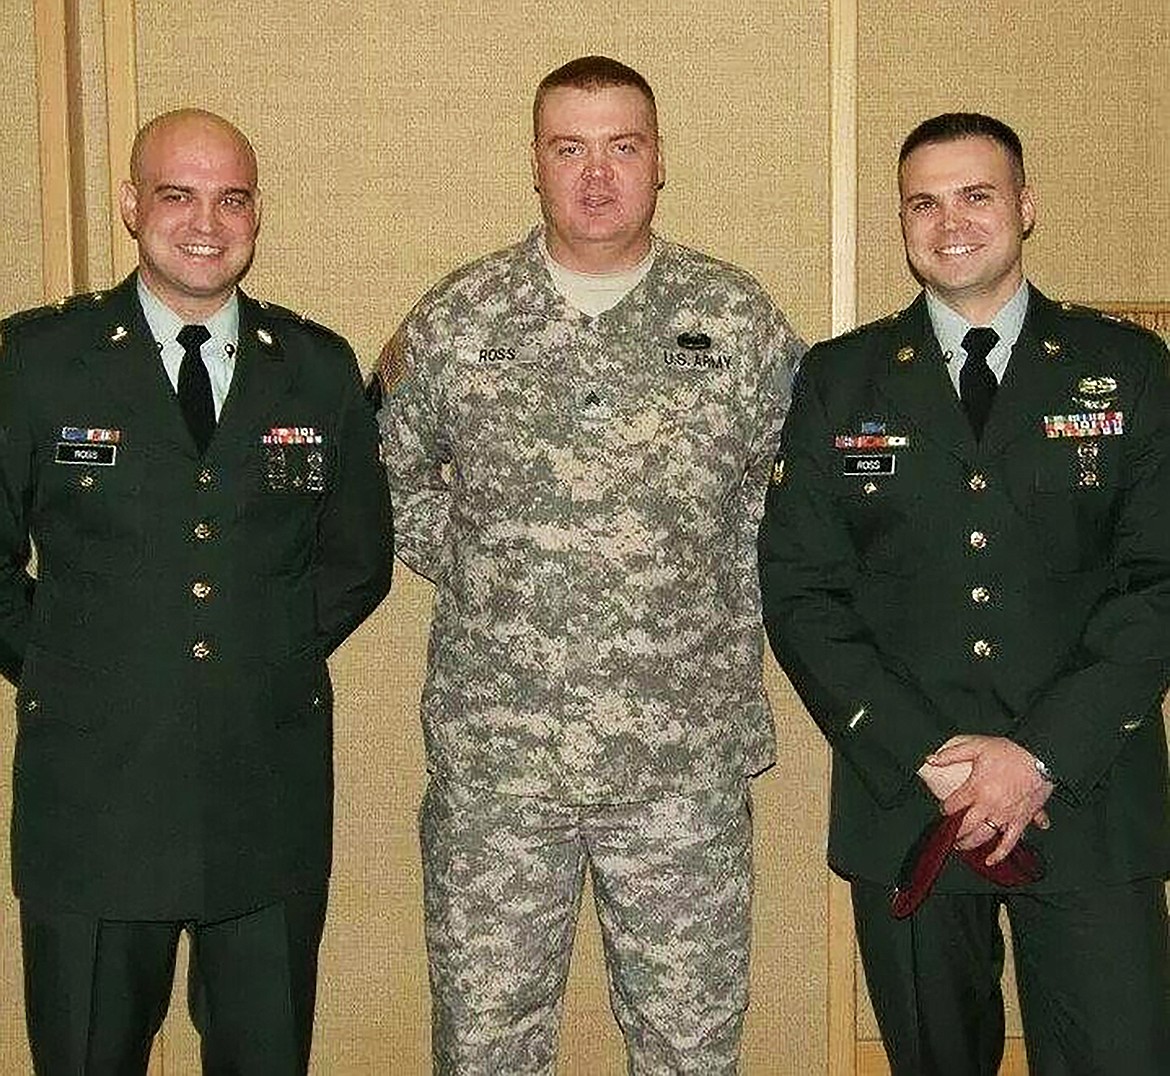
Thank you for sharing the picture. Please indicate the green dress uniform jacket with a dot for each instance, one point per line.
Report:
(173, 755)
(918, 584)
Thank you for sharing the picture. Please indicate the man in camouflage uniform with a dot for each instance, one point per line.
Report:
(578, 432)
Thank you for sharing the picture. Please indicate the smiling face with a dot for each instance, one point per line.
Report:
(194, 210)
(597, 165)
(964, 216)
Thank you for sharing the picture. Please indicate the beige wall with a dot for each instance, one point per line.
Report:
(20, 208)
(20, 285)
(1087, 87)
(393, 146)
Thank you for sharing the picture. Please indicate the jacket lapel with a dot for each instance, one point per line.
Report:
(263, 376)
(1035, 381)
(124, 362)
(915, 384)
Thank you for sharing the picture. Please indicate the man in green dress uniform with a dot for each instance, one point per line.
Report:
(198, 475)
(965, 564)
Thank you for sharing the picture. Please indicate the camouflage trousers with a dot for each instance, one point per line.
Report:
(502, 882)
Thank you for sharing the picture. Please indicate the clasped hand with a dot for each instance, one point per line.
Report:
(996, 781)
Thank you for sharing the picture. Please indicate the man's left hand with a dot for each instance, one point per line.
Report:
(1004, 793)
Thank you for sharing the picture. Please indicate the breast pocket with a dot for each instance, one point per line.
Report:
(686, 439)
(880, 497)
(288, 478)
(88, 509)
(1075, 500)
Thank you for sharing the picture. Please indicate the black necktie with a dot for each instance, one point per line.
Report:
(977, 383)
(195, 386)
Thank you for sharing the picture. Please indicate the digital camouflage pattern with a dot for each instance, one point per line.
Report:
(502, 885)
(585, 493)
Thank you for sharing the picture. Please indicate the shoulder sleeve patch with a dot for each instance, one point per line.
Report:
(391, 368)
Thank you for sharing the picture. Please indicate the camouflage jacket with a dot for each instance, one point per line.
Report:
(585, 494)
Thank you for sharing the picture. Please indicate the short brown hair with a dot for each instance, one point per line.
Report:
(952, 126)
(591, 73)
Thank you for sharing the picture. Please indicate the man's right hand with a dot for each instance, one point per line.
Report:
(943, 780)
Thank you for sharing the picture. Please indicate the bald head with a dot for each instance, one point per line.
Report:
(184, 124)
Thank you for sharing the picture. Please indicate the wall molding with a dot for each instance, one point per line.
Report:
(842, 976)
(58, 236)
(121, 56)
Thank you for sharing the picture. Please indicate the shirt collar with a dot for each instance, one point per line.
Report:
(950, 326)
(164, 323)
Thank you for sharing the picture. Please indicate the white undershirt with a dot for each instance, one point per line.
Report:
(594, 293)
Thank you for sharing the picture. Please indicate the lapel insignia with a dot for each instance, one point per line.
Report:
(265, 337)
(1051, 347)
(777, 472)
(119, 334)
(905, 354)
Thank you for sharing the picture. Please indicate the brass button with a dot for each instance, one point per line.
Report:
(978, 540)
(982, 648)
(202, 531)
(200, 651)
(980, 595)
(977, 482)
(201, 589)
(204, 477)
(86, 481)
